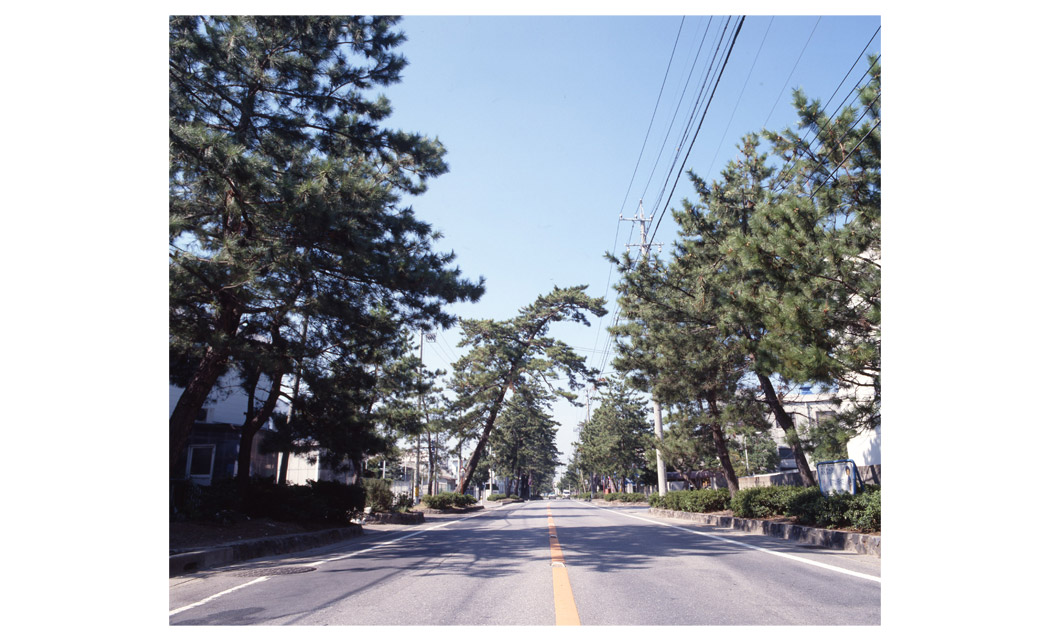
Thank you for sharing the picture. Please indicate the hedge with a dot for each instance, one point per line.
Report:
(224, 501)
(448, 500)
(862, 511)
(696, 501)
(625, 497)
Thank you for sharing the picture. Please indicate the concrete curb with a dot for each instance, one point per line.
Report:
(190, 561)
(838, 540)
(415, 517)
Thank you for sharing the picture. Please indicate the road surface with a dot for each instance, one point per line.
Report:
(543, 562)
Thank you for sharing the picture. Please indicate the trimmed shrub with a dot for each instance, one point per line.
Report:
(463, 500)
(403, 502)
(378, 495)
(765, 502)
(865, 510)
(694, 500)
(625, 497)
(448, 500)
(496, 496)
(862, 512)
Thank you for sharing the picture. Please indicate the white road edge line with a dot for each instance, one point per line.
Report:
(855, 574)
(217, 595)
(343, 557)
(404, 537)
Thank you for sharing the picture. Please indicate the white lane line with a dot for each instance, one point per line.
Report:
(217, 595)
(343, 557)
(404, 537)
(780, 554)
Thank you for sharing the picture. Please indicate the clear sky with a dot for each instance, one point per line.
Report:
(545, 118)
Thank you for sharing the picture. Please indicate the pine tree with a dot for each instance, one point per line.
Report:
(827, 225)
(284, 194)
(523, 442)
(504, 354)
(614, 441)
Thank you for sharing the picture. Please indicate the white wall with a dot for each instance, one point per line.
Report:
(866, 448)
(300, 470)
(227, 403)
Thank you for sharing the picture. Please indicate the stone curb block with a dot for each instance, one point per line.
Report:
(839, 540)
(191, 561)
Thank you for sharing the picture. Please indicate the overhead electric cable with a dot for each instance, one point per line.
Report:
(714, 158)
(670, 125)
(653, 118)
(855, 147)
(838, 109)
(788, 79)
(725, 63)
(692, 116)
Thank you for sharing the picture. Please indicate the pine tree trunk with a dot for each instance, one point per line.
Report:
(208, 372)
(252, 424)
(180, 424)
(475, 457)
(785, 423)
(282, 469)
(721, 448)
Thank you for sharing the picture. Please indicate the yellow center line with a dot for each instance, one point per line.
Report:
(564, 604)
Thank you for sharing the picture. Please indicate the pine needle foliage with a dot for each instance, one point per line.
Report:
(284, 196)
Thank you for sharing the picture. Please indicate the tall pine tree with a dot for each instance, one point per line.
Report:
(504, 354)
(284, 194)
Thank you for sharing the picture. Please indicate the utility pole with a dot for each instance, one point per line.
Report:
(661, 469)
(419, 437)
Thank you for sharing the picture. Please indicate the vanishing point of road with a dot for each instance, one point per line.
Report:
(555, 562)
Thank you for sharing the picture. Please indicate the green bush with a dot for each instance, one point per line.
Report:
(463, 500)
(865, 510)
(764, 502)
(694, 500)
(862, 512)
(625, 497)
(497, 496)
(403, 502)
(448, 500)
(378, 495)
(224, 501)
(184, 500)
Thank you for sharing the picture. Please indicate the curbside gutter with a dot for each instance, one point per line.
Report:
(190, 561)
(860, 543)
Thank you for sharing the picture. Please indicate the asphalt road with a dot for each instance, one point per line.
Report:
(542, 563)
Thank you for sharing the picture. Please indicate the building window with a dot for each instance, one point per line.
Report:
(824, 416)
(200, 461)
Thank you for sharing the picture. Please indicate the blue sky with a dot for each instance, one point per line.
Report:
(544, 119)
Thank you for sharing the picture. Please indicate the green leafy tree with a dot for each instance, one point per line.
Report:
(284, 193)
(504, 354)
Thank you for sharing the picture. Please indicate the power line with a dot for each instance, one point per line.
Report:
(651, 120)
(855, 147)
(641, 152)
(788, 79)
(692, 115)
(740, 97)
(670, 125)
(725, 63)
